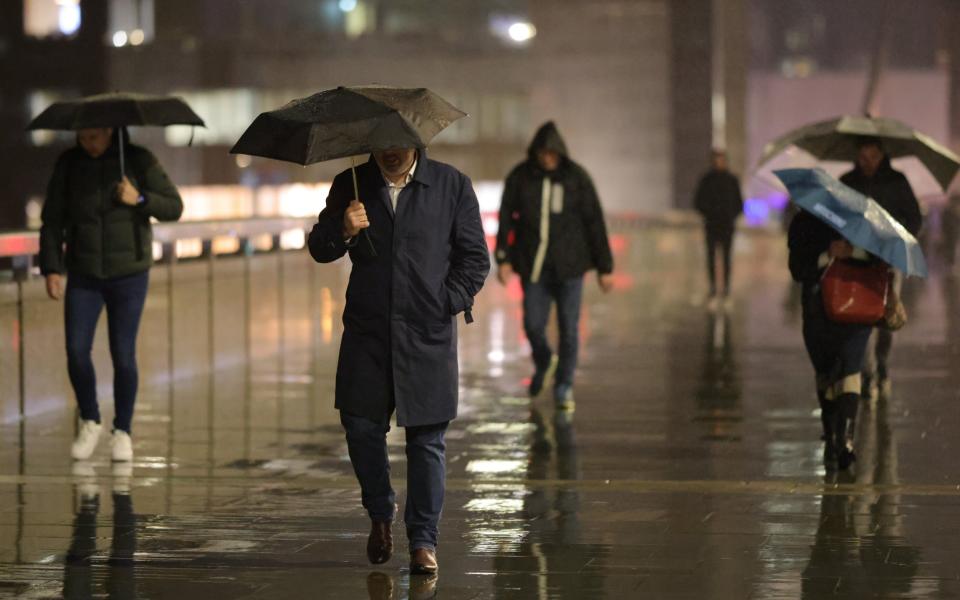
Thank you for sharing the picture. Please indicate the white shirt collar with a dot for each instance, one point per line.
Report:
(407, 179)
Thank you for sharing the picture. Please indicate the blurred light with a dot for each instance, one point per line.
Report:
(347, 5)
(522, 32)
(496, 356)
(243, 161)
(495, 467)
(293, 239)
(157, 251)
(262, 242)
(326, 315)
(120, 39)
(33, 210)
(224, 244)
(190, 248)
(137, 36)
(68, 17)
(756, 211)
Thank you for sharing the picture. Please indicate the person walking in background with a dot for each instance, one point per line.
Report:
(950, 231)
(552, 231)
(874, 176)
(96, 231)
(423, 261)
(719, 201)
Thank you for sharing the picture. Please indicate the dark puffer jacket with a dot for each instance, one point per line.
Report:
(87, 230)
(575, 238)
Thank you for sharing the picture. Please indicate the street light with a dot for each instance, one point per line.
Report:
(522, 32)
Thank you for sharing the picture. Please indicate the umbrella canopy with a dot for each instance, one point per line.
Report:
(346, 122)
(838, 140)
(117, 109)
(859, 219)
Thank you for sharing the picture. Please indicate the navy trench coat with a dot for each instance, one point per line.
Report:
(399, 346)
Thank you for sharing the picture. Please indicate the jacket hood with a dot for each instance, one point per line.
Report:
(885, 168)
(547, 138)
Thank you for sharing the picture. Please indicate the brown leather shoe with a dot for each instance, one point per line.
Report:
(380, 542)
(423, 562)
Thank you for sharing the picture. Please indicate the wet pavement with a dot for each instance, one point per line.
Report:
(690, 468)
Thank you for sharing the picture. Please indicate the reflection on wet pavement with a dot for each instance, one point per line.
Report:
(690, 468)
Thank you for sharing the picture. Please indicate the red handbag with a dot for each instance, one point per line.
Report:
(855, 292)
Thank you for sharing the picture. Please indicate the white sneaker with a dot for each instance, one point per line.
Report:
(122, 446)
(86, 441)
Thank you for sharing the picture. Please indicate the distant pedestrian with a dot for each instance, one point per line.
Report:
(874, 176)
(950, 231)
(96, 231)
(719, 201)
(552, 231)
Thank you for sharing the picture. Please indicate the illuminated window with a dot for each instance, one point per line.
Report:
(51, 18)
(131, 22)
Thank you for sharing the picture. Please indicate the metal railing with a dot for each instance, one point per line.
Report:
(20, 249)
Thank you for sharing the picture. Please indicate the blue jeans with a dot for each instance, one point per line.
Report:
(537, 299)
(426, 475)
(124, 298)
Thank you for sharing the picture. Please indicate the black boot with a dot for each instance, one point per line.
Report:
(829, 411)
(846, 425)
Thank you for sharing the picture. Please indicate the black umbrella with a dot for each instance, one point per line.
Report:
(116, 109)
(346, 122)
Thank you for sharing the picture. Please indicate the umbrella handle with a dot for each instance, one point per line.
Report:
(356, 196)
(120, 137)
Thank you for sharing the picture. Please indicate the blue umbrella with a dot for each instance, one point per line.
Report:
(859, 219)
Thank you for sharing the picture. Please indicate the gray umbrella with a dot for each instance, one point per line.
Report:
(346, 122)
(116, 109)
(837, 140)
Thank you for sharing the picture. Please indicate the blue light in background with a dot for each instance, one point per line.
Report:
(759, 211)
(68, 18)
(756, 211)
(347, 5)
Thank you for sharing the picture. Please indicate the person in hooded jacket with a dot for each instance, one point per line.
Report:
(96, 231)
(552, 232)
(874, 176)
(719, 201)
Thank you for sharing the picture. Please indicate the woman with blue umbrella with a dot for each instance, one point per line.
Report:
(844, 241)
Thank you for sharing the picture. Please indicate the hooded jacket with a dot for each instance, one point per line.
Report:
(86, 230)
(891, 190)
(551, 222)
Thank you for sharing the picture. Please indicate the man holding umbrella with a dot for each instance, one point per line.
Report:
(873, 176)
(399, 348)
(412, 228)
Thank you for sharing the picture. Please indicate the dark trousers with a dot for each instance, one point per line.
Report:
(537, 300)
(123, 298)
(719, 240)
(836, 350)
(426, 475)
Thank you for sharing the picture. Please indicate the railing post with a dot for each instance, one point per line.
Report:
(22, 265)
